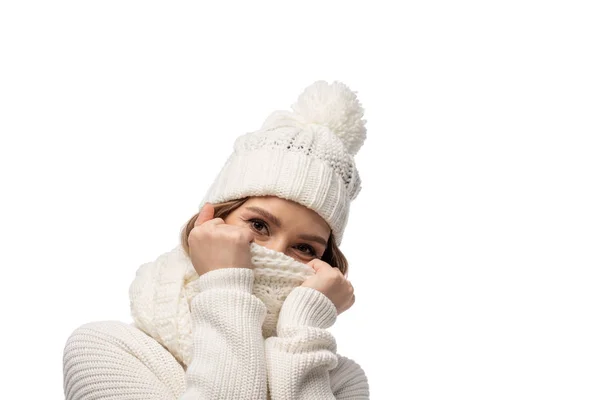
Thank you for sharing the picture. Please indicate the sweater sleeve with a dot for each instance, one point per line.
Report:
(301, 358)
(228, 347)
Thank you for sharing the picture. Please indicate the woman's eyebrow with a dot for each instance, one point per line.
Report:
(265, 214)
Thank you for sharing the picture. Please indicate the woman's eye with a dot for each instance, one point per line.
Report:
(257, 225)
(311, 251)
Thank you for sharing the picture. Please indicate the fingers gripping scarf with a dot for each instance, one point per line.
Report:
(161, 293)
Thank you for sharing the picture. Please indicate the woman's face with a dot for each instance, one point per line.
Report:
(284, 226)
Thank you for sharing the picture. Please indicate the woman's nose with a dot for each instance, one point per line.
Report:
(276, 244)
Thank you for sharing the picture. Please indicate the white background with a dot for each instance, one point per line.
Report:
(474, 244)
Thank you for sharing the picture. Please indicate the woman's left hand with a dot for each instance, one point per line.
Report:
(332, 283)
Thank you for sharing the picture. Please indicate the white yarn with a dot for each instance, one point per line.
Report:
(162, 291)
(336, 107)
(230, 359)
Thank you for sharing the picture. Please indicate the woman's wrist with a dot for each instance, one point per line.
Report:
(226, 278)
(305, 306)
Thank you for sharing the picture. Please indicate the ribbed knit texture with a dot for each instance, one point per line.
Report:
(230, 357)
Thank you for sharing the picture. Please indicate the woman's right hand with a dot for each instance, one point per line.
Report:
(214, 244)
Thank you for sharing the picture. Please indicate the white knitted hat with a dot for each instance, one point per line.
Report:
(306, 156)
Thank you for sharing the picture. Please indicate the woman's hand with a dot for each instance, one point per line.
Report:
(214, 244)
(332, 283)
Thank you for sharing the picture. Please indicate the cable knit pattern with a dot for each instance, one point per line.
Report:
(230, 358)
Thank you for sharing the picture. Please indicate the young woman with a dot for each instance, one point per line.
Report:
(240, 308)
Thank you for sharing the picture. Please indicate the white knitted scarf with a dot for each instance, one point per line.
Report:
(161, 294)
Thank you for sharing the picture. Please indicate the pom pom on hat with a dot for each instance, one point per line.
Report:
(336, 107)
(333, 106)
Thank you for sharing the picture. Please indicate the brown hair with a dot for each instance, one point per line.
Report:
(332, 256)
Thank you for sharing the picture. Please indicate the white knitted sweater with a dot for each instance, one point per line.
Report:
(230, 357)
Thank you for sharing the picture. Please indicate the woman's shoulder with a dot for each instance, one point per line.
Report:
(348, 377)
(117, 337)
(96, 352)
(110, 330)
